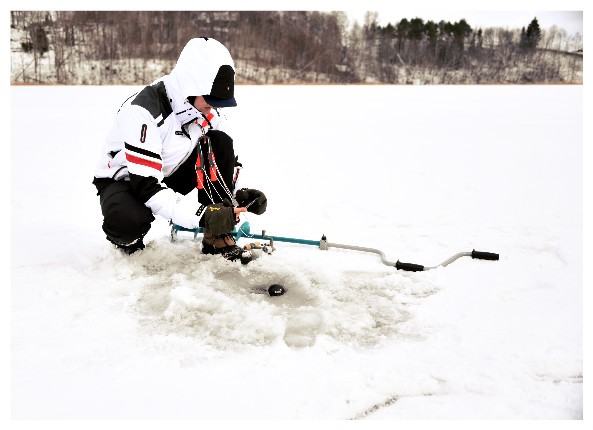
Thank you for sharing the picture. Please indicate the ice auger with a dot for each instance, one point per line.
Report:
(244, 230)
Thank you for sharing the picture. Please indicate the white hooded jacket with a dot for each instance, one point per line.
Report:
(157, 129)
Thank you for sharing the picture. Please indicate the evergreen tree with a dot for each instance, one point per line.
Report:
(523, 40)
(432, 32)
(416, 31)
(388, 30)
(401, 29)
(460, 30)
(533, 34)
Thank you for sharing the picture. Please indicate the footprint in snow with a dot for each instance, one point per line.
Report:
(302, 328)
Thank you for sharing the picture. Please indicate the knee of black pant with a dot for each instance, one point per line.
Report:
(220, 138)
(222, 146)
(126, 227)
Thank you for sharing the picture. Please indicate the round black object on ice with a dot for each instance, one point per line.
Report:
(246, 257)
(276, 290)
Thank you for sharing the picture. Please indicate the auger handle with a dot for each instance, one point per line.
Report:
(410, 267)
(484, 255)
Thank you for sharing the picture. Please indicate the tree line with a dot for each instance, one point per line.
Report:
(133, 47)
(455, 52)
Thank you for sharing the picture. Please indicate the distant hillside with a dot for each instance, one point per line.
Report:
(127, 47)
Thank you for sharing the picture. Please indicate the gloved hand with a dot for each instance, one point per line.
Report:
(246, 195)
(219, 218)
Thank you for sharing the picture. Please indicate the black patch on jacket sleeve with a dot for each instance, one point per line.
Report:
(154, 99)
(144, 187)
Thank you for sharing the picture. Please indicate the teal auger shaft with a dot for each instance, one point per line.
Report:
(244, 230)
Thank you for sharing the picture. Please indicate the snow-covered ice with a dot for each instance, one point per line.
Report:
(419, 172)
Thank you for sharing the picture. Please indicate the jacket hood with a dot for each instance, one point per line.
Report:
(198, 66)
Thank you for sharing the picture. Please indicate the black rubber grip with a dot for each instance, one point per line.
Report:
(484, 255)
(409, 267)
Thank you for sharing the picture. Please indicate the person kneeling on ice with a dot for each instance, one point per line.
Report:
(167, 140)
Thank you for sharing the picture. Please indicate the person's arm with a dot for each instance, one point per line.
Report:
(143, 149)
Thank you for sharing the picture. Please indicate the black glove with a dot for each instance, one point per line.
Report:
(247, 195)
(219, 218)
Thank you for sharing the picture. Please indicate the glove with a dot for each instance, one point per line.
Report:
(247, 195)
(219, 218)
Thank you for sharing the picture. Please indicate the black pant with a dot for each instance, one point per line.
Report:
(127, 219)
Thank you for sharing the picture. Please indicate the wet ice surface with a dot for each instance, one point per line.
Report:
(217, 300)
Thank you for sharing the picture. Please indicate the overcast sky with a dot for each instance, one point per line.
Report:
(566, 14)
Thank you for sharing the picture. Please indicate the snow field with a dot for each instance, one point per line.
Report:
(419, 172)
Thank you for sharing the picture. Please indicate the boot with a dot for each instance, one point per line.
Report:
(130, 248)
(225, 245)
